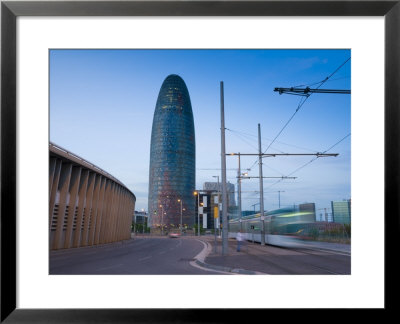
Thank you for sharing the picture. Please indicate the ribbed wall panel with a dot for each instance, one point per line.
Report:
(87, 206)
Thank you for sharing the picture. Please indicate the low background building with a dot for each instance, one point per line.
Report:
(341, 211)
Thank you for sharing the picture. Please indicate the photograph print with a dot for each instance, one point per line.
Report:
(200, 161)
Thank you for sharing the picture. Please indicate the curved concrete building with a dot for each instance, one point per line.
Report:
(87, 206)
(172, 157)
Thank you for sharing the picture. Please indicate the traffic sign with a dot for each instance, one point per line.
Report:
(216, 212)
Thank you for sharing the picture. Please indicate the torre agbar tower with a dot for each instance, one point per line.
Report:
(172, 158)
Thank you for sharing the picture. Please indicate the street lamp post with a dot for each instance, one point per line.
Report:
(223, 175)
(218, 201)
(254, 205)
(261, 188)
(197, 193)
(239, 194)
(240, 177)
(162, 220)
(279, 193)
(180, 200)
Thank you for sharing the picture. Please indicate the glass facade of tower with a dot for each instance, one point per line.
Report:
(341, 211)
(172, 157)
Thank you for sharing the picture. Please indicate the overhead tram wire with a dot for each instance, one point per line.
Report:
(268, 139)
(216, 169)
(301, 103)
(306, 92)
(249, 135)
(312, 160)
(237, 134)
(314, 83)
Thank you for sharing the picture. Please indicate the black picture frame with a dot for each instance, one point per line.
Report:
(10, 10)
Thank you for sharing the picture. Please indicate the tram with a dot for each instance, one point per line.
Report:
(280, 225)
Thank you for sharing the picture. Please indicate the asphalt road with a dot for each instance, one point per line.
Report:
(275, 260)
(141, 256)
(174, 256)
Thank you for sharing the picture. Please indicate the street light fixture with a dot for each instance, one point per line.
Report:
(180, 200)
(197, 193)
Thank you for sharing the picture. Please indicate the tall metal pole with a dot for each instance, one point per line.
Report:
(198, 213)
(254, 206)
(219, 203)
(261, 188)
(279, 199)
(240, 194)
(180, 200)
(279, 191)
(162, 219)
(216, 219)
(223, 174)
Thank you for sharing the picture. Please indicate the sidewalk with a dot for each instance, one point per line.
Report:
(251, 258)
(234, 262)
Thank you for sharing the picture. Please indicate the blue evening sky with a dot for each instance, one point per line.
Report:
(102, 104)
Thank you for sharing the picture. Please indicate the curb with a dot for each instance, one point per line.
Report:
(199, 260)
(225, 269)
(311, 248)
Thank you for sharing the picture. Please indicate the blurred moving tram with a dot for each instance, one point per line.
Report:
(282, 226)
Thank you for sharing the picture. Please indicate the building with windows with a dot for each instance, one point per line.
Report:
(208, 208)
(140, 217)
(172, 157)
(204, 208)
(341, 211)
(230, 188)
(310, 209)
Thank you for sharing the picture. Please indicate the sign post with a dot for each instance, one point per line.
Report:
(216, 215)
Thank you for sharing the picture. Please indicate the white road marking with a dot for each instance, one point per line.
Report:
(145, 258)
(194, 264)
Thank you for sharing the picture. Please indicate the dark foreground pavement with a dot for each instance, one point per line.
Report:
(202, 255)
(307, 259)
(137, 256)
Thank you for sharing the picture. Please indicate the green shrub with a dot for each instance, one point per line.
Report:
(314, 233)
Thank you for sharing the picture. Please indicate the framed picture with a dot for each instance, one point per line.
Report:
(107, 23)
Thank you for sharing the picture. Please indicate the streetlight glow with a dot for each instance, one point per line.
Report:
(198, 211)
(179, 200)
(162, 219)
